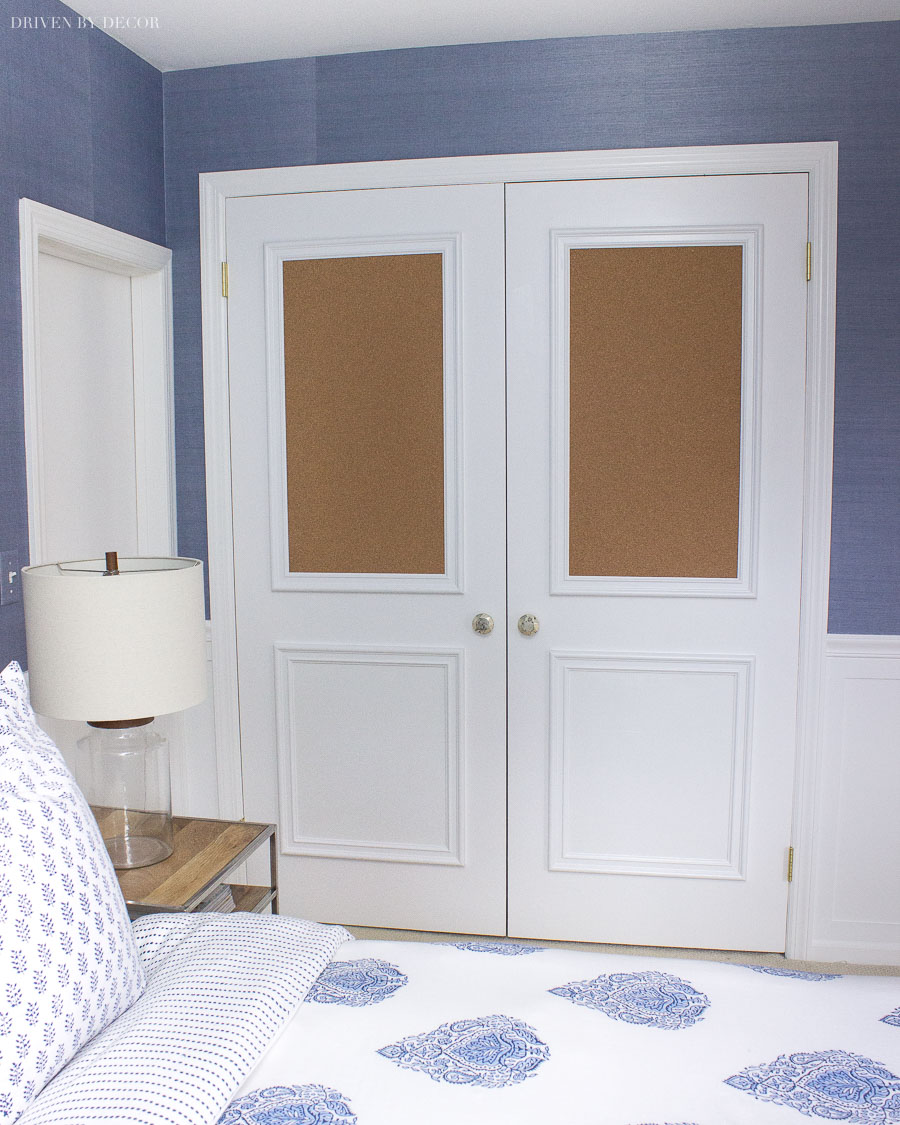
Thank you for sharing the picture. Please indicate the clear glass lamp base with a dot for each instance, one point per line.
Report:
(136, 851)
(129, 793)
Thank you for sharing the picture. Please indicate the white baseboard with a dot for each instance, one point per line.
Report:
(860, 953)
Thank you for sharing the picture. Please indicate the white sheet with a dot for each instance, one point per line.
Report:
(387, 1038)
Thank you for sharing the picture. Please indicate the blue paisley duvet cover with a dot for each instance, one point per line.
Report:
(485, 1033)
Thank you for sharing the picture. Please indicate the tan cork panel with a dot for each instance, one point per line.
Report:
(363, 359)
(655, 411)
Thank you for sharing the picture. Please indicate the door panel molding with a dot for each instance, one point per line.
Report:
(744, 585)
(447, 668)
(731, 836)
(452, 580)
(817, 159)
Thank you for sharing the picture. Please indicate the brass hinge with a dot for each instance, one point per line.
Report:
(809, 261)
(790, 871)
(224, 279)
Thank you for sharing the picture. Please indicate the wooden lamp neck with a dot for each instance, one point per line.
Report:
(119, 724)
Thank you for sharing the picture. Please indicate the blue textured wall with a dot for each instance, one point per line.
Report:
(80, 129)
(723, 87)
(217, 120)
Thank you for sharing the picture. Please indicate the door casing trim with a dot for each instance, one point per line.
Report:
(818, 159)
(47, 230)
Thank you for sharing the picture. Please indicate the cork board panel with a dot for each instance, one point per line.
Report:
(655, 411)
(363, 373)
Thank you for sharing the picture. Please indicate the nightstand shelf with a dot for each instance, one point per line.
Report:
(252, 899)
(205, 852)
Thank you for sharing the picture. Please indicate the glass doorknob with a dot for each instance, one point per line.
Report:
(483, 623)
(528, 624)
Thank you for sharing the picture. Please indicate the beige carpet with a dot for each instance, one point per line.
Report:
(773, 960)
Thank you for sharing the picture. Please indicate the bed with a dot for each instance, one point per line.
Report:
(481, 1033)
(247, 1020)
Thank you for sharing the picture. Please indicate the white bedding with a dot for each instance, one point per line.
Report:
(424, 1034)
(396, 1033)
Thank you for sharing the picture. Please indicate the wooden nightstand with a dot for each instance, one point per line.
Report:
(205, 851)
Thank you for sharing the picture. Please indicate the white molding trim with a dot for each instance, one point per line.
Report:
(519, 167)
(46, 230)
(744, 585)
(822, 168)
(732, 864)
(451, 852)
(855, 953)
(864, 645)
(217, 431)
(819, 160)
(451, 580)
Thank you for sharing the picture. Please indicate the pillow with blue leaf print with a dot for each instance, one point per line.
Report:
(69, 964)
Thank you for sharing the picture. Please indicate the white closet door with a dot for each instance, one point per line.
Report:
(656, 336)
(656, 349)
(367, 419)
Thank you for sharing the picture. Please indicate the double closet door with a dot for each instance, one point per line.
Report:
(517, 485)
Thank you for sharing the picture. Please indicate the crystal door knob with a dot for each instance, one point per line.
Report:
(528, 624)
(483, 623)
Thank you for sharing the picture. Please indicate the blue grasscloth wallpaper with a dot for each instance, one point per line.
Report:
(86, 124)
(81, 129)
(723, 87)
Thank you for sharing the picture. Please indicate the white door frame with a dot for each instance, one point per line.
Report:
(47, 230)
(817, 159)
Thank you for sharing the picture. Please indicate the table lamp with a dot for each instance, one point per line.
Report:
(116, 642)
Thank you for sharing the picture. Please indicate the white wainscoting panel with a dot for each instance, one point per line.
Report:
(856, 893)
(368, 753)
(639, 783)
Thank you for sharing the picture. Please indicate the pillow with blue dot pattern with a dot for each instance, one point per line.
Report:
(68, 960)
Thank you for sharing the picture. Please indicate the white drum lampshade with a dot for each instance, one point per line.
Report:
(116, 642)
